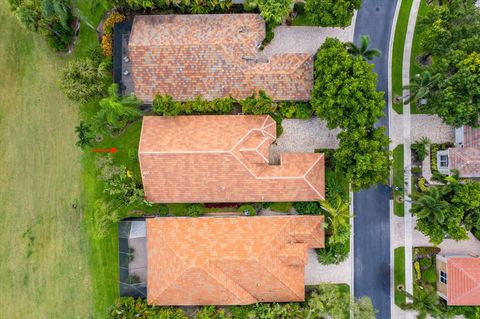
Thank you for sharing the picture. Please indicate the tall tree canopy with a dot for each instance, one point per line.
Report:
(345, 88)
(449, 35)
(331, 13)
(363, 156)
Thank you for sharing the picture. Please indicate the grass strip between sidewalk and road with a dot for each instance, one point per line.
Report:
(397, 53)
(398, 179)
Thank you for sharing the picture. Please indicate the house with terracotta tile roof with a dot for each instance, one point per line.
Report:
(223, 158)
(212, 56)
(465, 156)
(229, 260)
(459, 279)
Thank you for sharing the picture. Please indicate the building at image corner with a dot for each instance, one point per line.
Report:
(458, 279)
(212, 56)
(218, 261)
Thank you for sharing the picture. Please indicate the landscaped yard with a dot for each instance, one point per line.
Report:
(399, 274)
(416, 51)
(44, 270)
(397, 52)
(398, 179)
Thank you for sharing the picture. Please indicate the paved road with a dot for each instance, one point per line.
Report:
(371, 207)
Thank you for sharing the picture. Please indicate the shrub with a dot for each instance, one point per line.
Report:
(308, 208)
(420, 148)
(210, 312)
(416, 170)
(127, 308)
(107, 38)
(299, 110)
(51, 18)
(433, 158)
(263, 104)
(425, 262)
(163, 210)
(83, 79)
(331, 13)
(283, 207)
(104, 215)
(247, 209)
(273, 11)
(430, 276)
(120, 184)
(418, 271)
(165, 105)
(333, 254)
(421, 184)
(194, 210)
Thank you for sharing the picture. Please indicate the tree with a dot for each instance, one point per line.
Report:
(422, 86)
(331, 13)
(83, 79)
(362, 308)
(345, 88)
(273, 11)
(458, 100)
(363, 156)
(363, 50)
(425, 301)
(429, 205)
(116, 111)
(420, 148)
(85, 136)
(338, 219)
(327, 301)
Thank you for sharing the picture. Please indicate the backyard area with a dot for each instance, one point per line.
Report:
(44, 256)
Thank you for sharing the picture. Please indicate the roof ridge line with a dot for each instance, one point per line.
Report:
(288, 224)
(309, 170)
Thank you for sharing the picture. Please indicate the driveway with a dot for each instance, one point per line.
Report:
(371, 206)
(292, 39)
(316, 273)
(305, 136)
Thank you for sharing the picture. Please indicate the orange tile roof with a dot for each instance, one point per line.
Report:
(466, 160)
(219, 159)
(230, 260)
(212, 56)
(463, 288)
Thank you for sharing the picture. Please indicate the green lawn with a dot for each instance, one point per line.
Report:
(302, 20)
(399, 274)
(398, 179)
(397, 53)
(416, 51)
(44, 270)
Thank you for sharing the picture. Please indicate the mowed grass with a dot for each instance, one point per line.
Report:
(399, 274)
(397, 52)
(44, 251)
(398, 179)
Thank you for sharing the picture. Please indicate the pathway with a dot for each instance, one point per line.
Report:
(371, 206)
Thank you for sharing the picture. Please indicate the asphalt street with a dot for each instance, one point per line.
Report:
(371, 206)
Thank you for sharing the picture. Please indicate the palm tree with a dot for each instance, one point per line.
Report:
(363, 50)
(421, 86)
(425, 301)
(338, 216)
(84, 134)
(116, 111)
(429, 205)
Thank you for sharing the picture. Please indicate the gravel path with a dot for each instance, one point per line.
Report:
(291, 39)
(304, 136)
